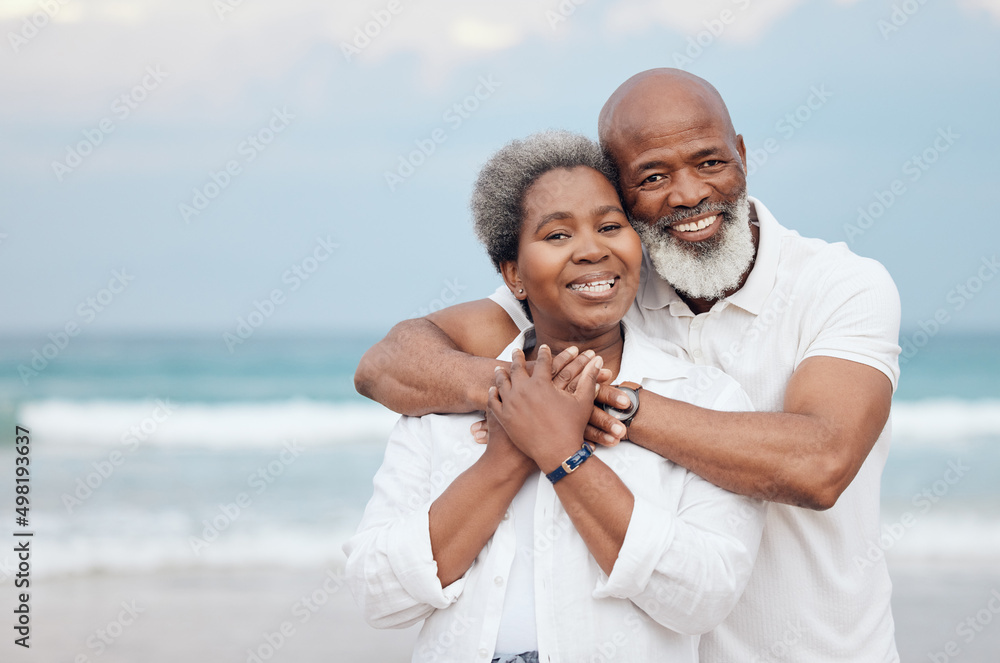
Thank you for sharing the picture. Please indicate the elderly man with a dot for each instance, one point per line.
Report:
(809, 329)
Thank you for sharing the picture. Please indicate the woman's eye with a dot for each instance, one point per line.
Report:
(610, 227)
(557, 236)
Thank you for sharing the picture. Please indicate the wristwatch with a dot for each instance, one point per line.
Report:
(627, 415)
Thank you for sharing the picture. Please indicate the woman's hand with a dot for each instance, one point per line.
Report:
(544, 416)
(566, 369)
(502, 454)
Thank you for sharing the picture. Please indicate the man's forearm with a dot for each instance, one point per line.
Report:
(774, 456)
(417, 369)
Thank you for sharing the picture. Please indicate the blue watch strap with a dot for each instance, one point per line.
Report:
(571, 463)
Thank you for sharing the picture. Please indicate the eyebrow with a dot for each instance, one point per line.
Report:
(559, 216)
(696, 156)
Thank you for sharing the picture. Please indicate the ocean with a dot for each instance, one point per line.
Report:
(176, 454)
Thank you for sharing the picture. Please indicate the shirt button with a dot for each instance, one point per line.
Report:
(498, 581)
(506, 515)
(483, 653)
(697, 354)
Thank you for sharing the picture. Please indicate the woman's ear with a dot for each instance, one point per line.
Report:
(512, 279)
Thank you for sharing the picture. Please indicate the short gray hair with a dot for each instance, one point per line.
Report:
(498, 194)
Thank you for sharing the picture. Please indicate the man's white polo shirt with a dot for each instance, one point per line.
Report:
(817, 594)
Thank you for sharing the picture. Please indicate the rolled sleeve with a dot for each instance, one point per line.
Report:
(409, 553)
(703, 563)
(646, 539)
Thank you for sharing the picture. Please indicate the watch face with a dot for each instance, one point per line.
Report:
(624, 415)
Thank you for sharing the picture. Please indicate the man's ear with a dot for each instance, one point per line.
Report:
(742, 149)
(512, 279)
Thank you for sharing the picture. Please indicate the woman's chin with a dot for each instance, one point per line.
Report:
(591, 326)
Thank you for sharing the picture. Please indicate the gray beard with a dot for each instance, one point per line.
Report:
(708, 269)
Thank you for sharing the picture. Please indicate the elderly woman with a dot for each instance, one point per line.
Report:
(537, 546)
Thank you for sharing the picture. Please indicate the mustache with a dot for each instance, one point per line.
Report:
(706, 207)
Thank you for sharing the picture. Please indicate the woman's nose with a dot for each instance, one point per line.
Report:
(590, 247)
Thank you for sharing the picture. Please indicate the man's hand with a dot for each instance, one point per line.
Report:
(543, 419)
(603, 428)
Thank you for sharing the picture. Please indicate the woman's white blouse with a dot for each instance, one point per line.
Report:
(687, 554)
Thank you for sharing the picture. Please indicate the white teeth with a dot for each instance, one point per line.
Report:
(696, 225)
(594, 286)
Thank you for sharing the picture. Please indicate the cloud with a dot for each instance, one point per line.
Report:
(221, 52)
(990, 6)
(738, 21)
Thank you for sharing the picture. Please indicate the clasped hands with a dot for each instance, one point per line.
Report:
(539, 413)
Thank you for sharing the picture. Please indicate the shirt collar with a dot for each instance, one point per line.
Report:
(655, 293)
(637, 362)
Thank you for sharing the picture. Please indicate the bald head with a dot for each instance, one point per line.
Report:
(657, 101)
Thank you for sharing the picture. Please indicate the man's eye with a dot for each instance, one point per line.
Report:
(712, 162)
(652, 178)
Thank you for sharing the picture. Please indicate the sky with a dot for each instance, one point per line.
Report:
(176, 167)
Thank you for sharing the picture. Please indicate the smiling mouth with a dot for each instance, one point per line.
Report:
(693, 226)
(602, 285)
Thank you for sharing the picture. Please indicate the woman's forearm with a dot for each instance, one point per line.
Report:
(468, 512)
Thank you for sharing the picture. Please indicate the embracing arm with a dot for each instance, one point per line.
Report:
(806, 456)
(441, 363)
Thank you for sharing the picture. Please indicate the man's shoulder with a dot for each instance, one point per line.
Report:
(818, 265)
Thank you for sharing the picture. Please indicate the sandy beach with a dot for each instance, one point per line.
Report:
(306, 616)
